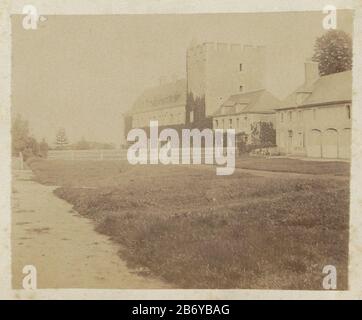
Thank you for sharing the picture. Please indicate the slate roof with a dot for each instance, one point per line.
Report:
(328, 89)
(259, 101)
(167, 95)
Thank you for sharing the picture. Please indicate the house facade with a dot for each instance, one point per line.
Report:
(165, 103)
(315, 120)
(244, 111)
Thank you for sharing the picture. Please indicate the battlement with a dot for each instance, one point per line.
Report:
(222, 47)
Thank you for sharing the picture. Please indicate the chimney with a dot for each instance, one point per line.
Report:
(311, 72)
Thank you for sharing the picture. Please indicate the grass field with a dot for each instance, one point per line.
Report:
(336, 168)
(198, 230)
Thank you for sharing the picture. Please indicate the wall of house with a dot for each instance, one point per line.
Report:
(319, 132)
(165, 116)
(241, 122)
(213, 71)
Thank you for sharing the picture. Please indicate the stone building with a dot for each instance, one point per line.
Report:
(244, 110)
(165, 103)
(217, 70)
(315, 120)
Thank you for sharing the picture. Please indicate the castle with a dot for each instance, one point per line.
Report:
(214, 72)
(225, 89)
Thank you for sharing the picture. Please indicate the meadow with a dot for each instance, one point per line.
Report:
(195, 229)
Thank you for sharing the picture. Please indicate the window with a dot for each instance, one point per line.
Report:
(240, 67)
(216, 123)
(281, 117)
(237, 123)
(230, 123)
(300, 115)
(241, 88)
(348, 110)
(223, 123)
(300, 139)
(290, 115)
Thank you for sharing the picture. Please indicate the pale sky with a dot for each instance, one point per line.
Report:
(82, 72)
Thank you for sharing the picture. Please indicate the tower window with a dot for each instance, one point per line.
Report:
(348, 109)
(240, 67)
(241, 88)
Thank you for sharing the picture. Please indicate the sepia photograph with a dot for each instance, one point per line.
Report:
(181, 150)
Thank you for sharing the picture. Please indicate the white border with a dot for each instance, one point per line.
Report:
(153, 6)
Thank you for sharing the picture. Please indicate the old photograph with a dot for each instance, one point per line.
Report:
(181, 151)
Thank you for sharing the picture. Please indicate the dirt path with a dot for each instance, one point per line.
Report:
(62, 245)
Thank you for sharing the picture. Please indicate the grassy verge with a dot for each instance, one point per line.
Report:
(199, 230)
(336, 168)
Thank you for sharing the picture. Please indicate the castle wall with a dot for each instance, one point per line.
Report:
(218, 70)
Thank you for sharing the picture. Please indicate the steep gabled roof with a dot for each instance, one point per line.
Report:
(326, 90)
(260, 101)
(167, 95)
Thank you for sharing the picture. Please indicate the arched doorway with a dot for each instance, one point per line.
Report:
(314, 144)
(330, 143)
(345, 143)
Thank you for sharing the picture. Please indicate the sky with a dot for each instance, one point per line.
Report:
(82, 72)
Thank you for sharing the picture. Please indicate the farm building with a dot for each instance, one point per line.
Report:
(245, 110)
(165, 103)
(315, 120)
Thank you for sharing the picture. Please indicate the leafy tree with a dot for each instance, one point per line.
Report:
(241, 142)
(267, 134)
(82, 145)
(333, 52)
(43, 148)
(19, 135)
(61, 139)
(263, 134)
(32, 148)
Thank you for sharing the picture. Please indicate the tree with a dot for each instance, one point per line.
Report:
(61, 139)
(19, 135)
(263, 134)
(333, 52)
(82, 145)
(267, 134)
(43, 148)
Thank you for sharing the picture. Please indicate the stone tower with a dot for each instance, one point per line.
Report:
(217, 70)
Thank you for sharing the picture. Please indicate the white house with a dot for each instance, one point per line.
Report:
(315, 120)
(242, 111)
